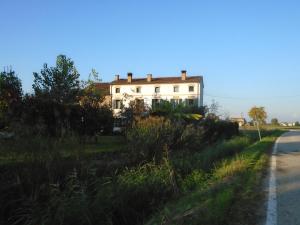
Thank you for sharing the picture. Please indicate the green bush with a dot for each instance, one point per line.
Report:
(148, 138)
(216, 130)
(194, 181)
(140, 191)
(51, 118)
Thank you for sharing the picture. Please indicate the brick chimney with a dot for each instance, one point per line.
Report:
(129, 77)
(183, 74)
(149, 77)
(117, 77)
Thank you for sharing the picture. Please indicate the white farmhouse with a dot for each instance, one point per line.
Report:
(182, 89)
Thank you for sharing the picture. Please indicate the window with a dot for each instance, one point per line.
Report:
(191, 88)
(190, 102)
(176, 88)
(117, 90)
(138, 89)
(118, 104)
(176, 101)
(157, 89)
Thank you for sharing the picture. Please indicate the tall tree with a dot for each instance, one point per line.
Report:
(274, 122)
(10, 95)
(93, 91)
(258, 114)
(60, 83)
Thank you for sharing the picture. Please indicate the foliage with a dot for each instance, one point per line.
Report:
(136, 109)
(60, 83)
(214, 107)
(274, 122)
(205, 159)
(54, 109)
(56, 119)
(215, 130)
(228, 195)
(149, 185)
(91, 94)
(149, 137)
(10, 97)
(258, 114)
(90, 120)
(48, 189)
(178, 111)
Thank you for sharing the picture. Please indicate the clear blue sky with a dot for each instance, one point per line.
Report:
(247, 51)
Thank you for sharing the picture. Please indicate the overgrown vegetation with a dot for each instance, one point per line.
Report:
(174, 165)
(228, 194)
(48, 186)
(61, 104)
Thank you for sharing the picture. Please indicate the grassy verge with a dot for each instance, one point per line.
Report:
(31, 149)
(215, 185)
(229, 194)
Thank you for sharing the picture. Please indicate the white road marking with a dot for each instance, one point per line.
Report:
(272, 202)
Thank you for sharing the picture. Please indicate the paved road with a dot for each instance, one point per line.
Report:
(287, 175)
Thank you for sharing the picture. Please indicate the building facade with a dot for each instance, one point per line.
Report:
(182, 89)
(239, 120)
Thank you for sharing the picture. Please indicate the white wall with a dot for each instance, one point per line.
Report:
(128, 93)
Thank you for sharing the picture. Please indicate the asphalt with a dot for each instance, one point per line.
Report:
(287, 175)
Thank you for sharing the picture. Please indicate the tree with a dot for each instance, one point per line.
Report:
(93, 92)
(10, 95)
(213, 110)
(274, 122)
(297, 124)
(60, 83)
(258, 114)
(214, 107)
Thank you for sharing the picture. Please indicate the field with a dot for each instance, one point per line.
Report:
(97, 181)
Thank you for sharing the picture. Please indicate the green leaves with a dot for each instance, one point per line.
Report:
(60, 83)
(258, 114)
(10, 96)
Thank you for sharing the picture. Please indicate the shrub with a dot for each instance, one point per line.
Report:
(10, 97)
(149, 137)
(215, 130)
(191, 138)
(55, 204)
(55, 119)
(139, 191)
(194, 181)
(131, 196)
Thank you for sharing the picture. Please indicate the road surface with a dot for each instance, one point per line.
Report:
(285, 170)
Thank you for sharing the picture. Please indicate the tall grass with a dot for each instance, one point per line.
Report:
(204, 160)
(228, 195)
(54, 182)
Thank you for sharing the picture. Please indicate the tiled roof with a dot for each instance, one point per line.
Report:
(104, 86)
(160, 80)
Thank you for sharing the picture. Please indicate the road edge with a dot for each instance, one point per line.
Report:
(271, 218)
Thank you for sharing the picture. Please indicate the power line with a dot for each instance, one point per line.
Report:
(248, 98)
